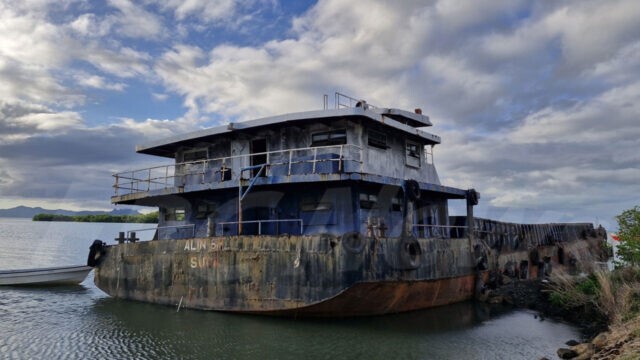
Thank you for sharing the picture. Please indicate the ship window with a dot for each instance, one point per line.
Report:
(319, 206)
(412, 154)
(174, 214)
(377, 139)
(195, 155)
(314, 203)
(368, 201)
(333, 137)
(205, 209)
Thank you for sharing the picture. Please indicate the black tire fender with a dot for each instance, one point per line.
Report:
(96, 253)
(412, 189)
(353, 242)
(410, 253)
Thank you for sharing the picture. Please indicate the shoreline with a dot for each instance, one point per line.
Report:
(601, 338)
(151, 218)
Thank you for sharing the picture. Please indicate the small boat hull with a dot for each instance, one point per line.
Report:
(65, 275)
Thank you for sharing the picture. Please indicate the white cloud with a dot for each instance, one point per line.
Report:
(29, 48)
(20, 120)
(98, 82)
(207, 11)
(122, 62)
(160, 97)
(156, 128)
(35, 53)
(616, 69)
(90, 25)
(135, 21)
(51, 121)
(605, 119)
(585, 33)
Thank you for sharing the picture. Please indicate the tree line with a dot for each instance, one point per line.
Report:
(151, 218)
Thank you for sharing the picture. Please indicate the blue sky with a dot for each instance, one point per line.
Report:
(537, 103)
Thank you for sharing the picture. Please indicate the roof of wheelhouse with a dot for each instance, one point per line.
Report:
(402, 120)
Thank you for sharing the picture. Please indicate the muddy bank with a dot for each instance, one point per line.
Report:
(621, 341)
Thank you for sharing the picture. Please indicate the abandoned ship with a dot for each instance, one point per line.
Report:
(335, 212)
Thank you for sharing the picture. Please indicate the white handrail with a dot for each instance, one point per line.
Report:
(259, 222)
(192, 226)
(158, 177)
(438, 229)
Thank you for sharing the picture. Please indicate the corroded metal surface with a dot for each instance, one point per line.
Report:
(263, 273)
(309, 275)
(385, 297)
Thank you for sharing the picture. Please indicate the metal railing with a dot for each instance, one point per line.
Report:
(441, 231)
(164, 228)
(309, 160)
(346, 101)
(259, 222)
(498, 234)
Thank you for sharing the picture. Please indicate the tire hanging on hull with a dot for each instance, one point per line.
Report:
(96, 253)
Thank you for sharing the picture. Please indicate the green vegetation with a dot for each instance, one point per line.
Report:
(608, 297)
(613, 295)
(629, 233)
(107, 218)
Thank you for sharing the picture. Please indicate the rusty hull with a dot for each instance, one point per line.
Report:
(305, 275)
(314, 275)
(373, 298)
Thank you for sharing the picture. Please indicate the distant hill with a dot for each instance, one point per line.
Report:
(30, 212)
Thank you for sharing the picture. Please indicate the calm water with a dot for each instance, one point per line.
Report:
(82, 322)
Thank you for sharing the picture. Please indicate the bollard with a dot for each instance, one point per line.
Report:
(120, 239)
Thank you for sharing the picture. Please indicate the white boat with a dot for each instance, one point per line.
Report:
(63, 275)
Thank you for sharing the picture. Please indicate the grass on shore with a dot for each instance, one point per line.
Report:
(614, 295)
(610, 297)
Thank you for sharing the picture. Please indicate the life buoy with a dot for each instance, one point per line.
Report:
(353, 242)
(412, 189)
(96, 253)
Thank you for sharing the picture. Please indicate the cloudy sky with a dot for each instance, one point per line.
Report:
(537, 102)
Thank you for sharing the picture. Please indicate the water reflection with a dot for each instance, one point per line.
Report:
(199, 334)
(81, 322)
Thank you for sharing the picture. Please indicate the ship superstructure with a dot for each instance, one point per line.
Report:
(328, 171)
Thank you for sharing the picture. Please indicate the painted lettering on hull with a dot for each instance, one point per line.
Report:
(203, 262)
(195, 245)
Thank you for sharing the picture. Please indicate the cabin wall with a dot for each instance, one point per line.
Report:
(375, 160)
(367, 208)
(384, 216)
(322, 208)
